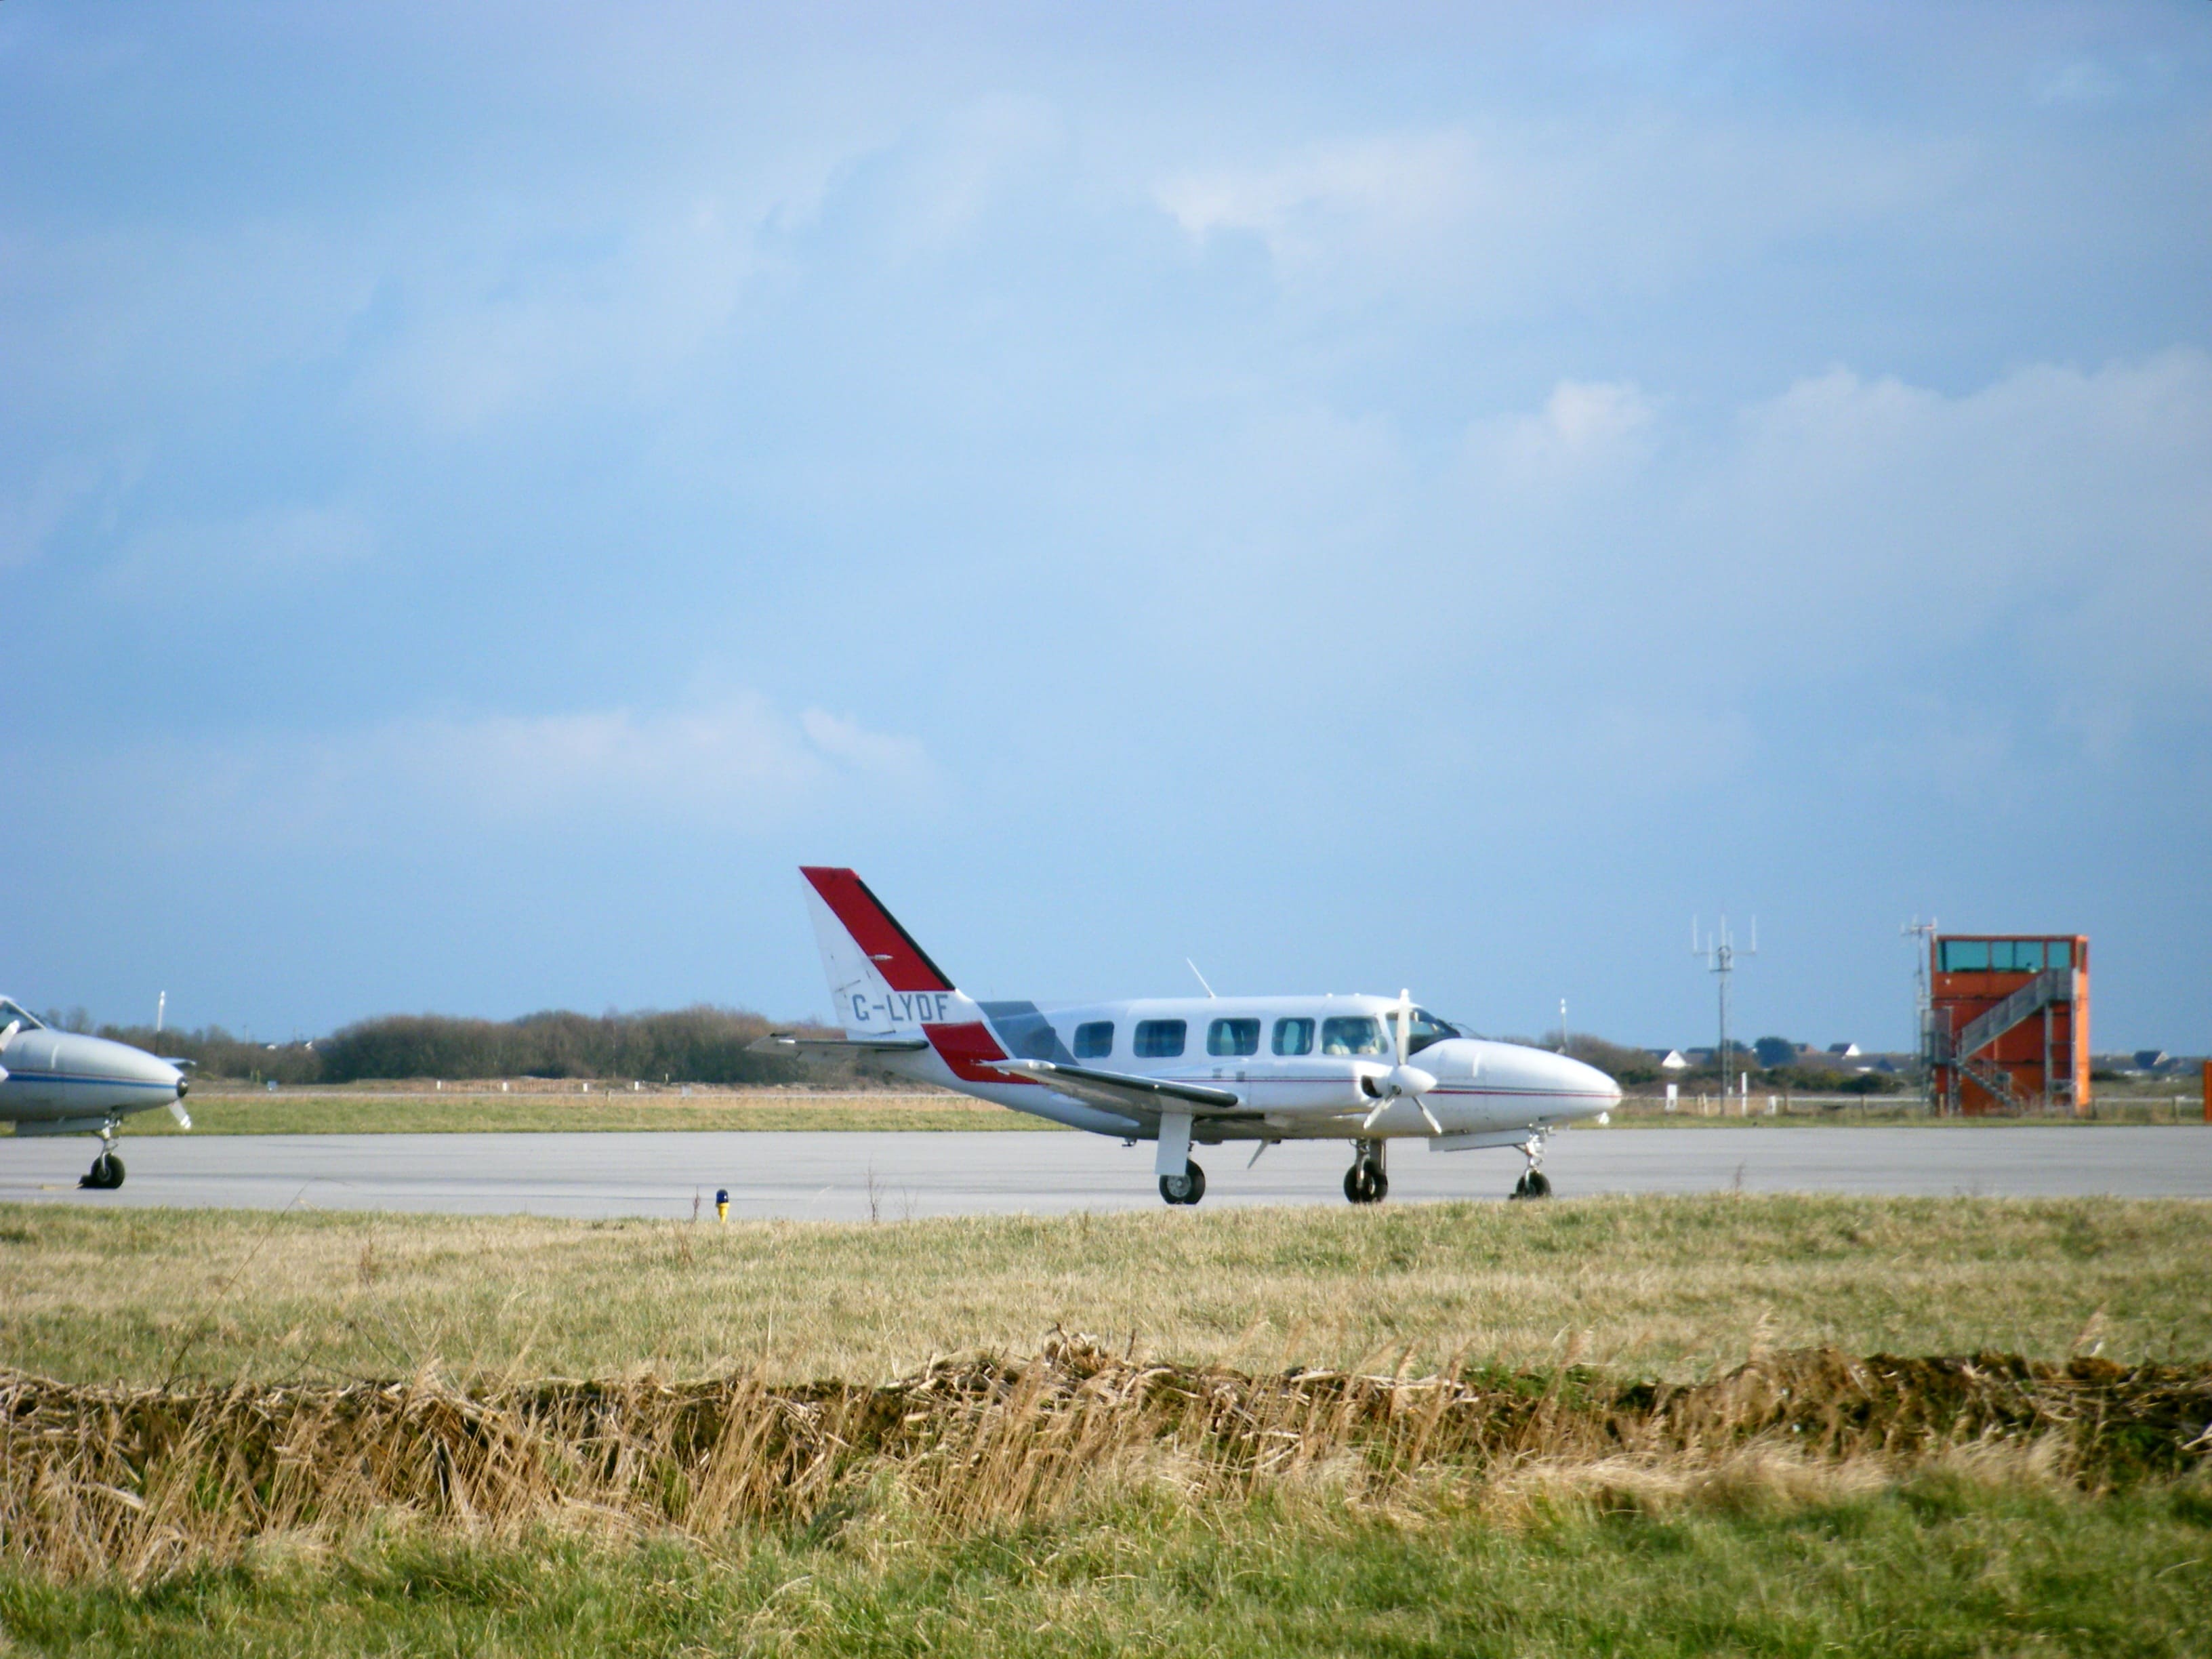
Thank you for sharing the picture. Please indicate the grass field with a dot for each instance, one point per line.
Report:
(1933, 1566)
(1085, 1517)
(1670, 1287)
(387, 1111)
(383, 1109)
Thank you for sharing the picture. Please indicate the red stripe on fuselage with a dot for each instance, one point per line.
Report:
(904, 965)
(966, 1048)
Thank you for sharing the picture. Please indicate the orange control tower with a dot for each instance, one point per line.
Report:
(2009, 1021)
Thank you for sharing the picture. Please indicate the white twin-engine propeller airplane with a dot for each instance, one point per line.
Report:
(64, 1083)
(1204, 1069)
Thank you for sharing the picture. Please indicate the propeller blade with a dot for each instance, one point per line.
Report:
(1405, 1014)
(1428, 1116)
(1380, 1107)
(177, 1111)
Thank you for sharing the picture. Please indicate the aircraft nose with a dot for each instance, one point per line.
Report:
(1593, 1090)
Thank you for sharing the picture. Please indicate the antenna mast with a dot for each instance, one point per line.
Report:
(1720, 954)
(1924, 1014)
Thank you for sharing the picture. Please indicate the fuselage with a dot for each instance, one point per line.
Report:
(66, 1082)
(1301, 1066)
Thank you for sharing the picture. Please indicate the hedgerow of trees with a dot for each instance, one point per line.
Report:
(689, 1045)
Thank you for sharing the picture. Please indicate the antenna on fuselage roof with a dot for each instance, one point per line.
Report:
(1193, 966)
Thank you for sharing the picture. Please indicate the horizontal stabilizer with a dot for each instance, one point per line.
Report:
(781, 1043)
(1118, 1092)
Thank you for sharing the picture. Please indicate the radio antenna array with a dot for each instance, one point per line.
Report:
(1719, 950)
(1924, 1006)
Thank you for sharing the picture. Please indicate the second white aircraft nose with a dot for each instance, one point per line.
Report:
(96, 1057)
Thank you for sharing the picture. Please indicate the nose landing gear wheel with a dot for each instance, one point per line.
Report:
(105, 1174)
(1365, 1183)
(1535, 1184)
(1186, 1188)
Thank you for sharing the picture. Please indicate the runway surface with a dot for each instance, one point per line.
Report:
(894, 1176)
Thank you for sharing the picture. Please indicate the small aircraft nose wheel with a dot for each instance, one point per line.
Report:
(1535, 1184)
(1186, 1188)
(1365, 1183)
(105, 1174)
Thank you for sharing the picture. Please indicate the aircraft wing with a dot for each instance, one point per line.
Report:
(1117, 1092)
(782, 1042)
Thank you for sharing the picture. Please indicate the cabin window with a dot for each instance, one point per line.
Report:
(1233, 1036)
(1094, 1039)
(1351, 1035)
(12, 1011)
(1159, 1039)
(1294, 1036)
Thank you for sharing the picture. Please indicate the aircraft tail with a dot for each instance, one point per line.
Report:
(879, 979)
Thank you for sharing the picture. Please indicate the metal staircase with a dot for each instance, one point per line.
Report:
(1959, 1048)
(1997, 1081)
(2051, 984)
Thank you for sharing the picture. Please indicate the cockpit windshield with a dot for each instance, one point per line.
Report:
(12, 1011)
(1424, 1028)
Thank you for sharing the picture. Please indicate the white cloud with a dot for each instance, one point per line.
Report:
(276, 543)
(2068, 510)
(1401, 187)
(1584, 426)
(532, 316)
(962, 167)
(1493, 218)
(894, 759)
(2079, 81)
(734, 766)
(2041, 543)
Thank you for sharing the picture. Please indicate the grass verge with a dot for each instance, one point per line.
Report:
(1710, 1488)
(1972, 1547)
(543, 1109)
(382, 1111)
(1665, 1287)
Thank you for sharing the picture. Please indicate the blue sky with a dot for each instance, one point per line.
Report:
(1361, 497)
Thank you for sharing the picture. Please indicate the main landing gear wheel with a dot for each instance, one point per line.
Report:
(105, 1174)
(1365, 1183)
(1535, 1184)
(1186, 1188)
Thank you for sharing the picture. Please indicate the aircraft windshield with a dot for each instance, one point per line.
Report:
(1424, 1028)
(10, 1011)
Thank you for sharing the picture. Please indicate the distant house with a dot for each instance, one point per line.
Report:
(2149, 1060)
(1670, 1059)
(1845, 1050)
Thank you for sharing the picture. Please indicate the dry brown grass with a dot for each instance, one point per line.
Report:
(138, 1481)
